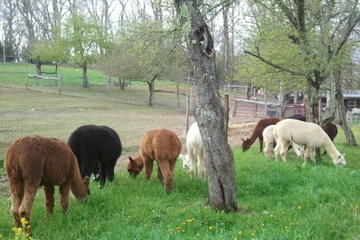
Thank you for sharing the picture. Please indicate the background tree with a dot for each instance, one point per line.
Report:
(84, 38)
(146, 53)
(319, 30)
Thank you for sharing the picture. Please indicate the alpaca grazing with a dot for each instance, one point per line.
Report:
(194, 160)
(35, 161)
(304, 133)
(258, 133)
(163, 146)
(97, 149)
(270, 140)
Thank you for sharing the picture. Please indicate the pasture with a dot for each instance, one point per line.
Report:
(284, 201)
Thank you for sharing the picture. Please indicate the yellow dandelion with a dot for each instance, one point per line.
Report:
(240, 233)
(299, 207)
(24, 221)
(189, 220)
(253, 234)
(211, 227)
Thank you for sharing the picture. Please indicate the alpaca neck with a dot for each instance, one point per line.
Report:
(254, 136)
(78, 187)
(330, 149)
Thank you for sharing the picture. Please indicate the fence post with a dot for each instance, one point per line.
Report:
(266, 105)
(178, 95)
(226, 109)
(59, 84)
(26, 78)
(108, 86)
(187, 111)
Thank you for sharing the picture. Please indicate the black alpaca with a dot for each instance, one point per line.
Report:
(96, 148)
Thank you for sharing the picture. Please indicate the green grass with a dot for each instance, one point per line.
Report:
(285, 200)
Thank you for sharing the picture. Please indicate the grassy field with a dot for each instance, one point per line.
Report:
(286, 201)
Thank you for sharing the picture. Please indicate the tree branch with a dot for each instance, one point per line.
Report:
(284, 69)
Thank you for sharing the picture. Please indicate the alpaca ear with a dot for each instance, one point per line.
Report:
(131, 160)
(86, 180)
(243, 139)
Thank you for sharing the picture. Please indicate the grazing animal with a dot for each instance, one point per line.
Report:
(97, 149)
(304, 133)
(297, 117)
(163, 146)
(194, 160)
(258, 133)
(270, 140)
(35, 161)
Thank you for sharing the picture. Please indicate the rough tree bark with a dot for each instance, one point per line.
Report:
(209, 113)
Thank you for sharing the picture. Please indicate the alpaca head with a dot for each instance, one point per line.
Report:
(135, 166)
(340, 160)
(246, 144)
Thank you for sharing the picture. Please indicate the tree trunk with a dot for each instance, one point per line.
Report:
(122, 83)
(85, 82)
(227, 58)
(38, 66)
(341, 111)
(210, 113)
(313, 104)
(151, 85)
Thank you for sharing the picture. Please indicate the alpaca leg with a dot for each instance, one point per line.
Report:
(102, 171)
(28, 200)
(110, 166)
(64, 192)
(149, 164)
(267, 149)
(277, 150)
(202, 168)
(192, 162)
(283, 150)
(167, 173)
(17, 194)
(160, 176)
(261, 140)
(49, 191)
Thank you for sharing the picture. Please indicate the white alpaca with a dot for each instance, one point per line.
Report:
(194, 160)
(269, 140)
(304, 133)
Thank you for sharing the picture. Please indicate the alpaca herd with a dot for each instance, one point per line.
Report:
(35, 161)
(295, 132)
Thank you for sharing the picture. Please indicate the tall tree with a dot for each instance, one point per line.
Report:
(84, 38)
(320, 30)
(210, 113)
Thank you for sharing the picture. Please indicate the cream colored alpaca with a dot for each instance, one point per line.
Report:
(269, 140)
(304, 133)
(194, 160)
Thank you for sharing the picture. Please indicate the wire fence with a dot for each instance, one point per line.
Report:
(68, 81)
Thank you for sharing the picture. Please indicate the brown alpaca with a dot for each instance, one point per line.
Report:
(35, 161)
(257, 133)
(162, 146)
